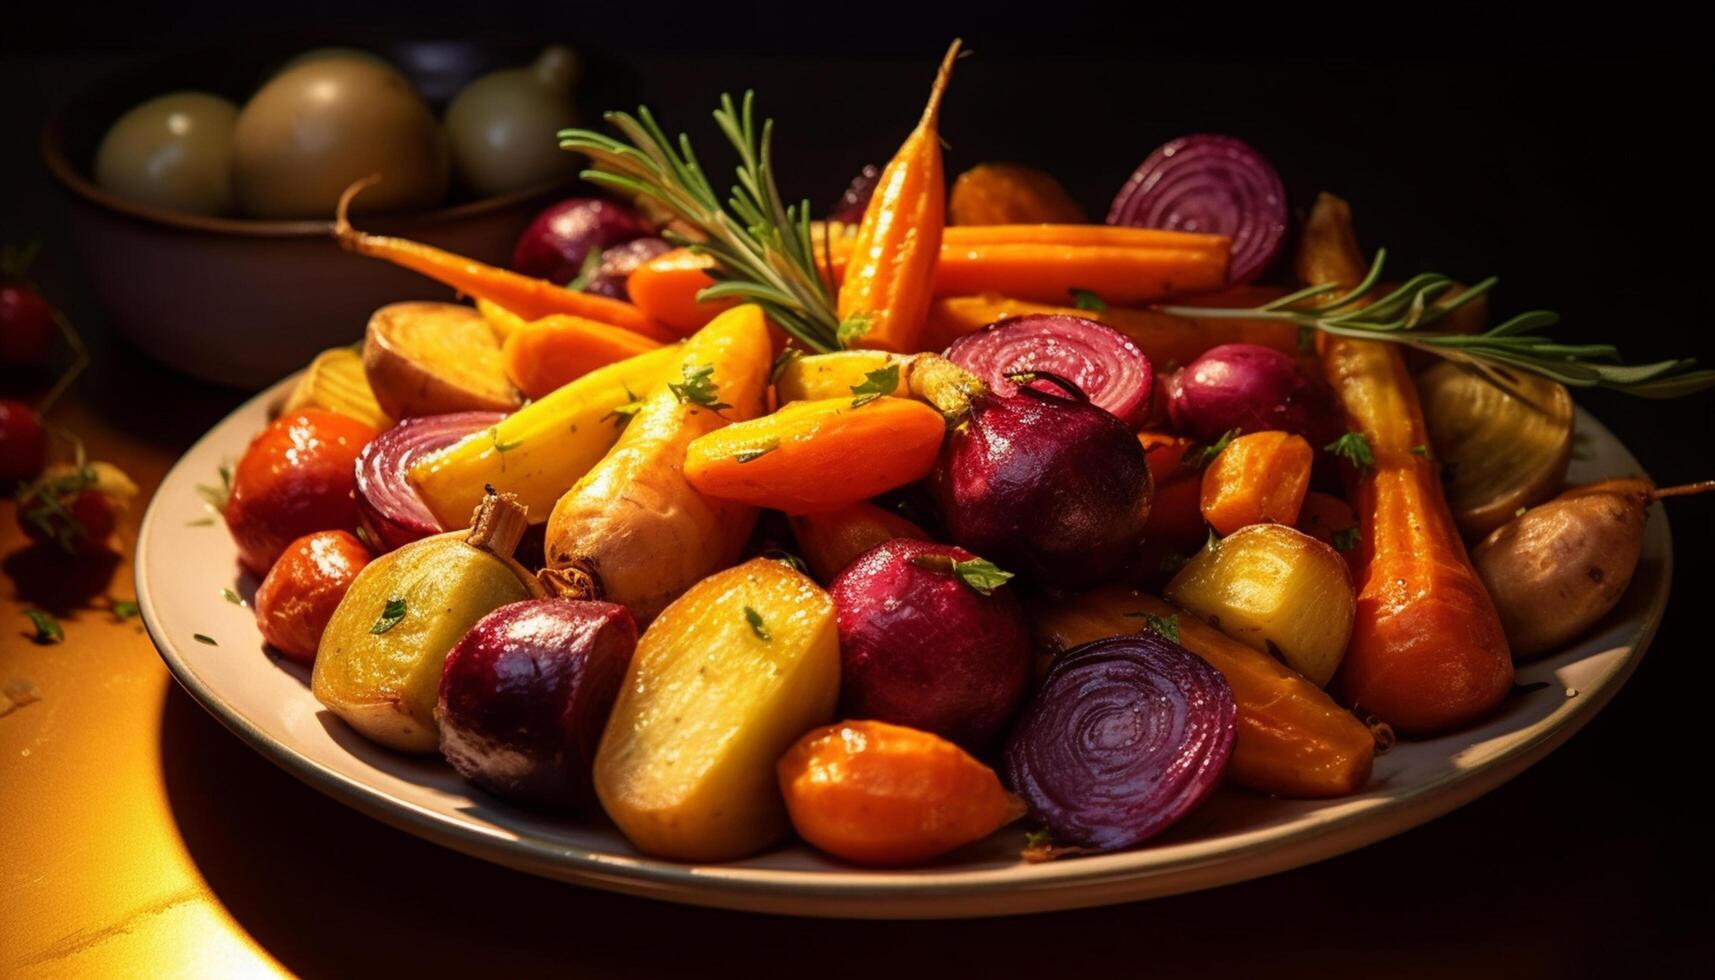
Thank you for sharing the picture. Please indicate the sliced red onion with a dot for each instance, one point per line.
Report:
(388, 507)
(1125, 737)
(1212, 184)
(619, 262)
(1100, 360)
(855, 200)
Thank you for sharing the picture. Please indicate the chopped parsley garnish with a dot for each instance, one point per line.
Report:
(854, 328)
(1167, 626)
(786, 357)
(980, 575)
(47, 627)
(46, 506)
(623, 414)
(788, 559)
(698, 388)
(1086, 299)
(1347, 539)
(586, 271)
(232, 597)
(501, 447)
(216, 497)
(1354, 448)
(754, 618)
(1421, 449)
(125, 609)
(875, 384)
(204, 639)
(392, 614)
(1213, 449)
(749, 455)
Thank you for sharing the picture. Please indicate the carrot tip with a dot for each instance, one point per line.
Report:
(342, 229)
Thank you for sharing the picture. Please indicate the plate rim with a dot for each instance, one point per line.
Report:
(853, 891)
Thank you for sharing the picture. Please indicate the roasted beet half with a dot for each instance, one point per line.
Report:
(525, 694)
(932, 638)
(1125, 736)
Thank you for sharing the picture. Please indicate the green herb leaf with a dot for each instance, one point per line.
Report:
(1167, 626)
(1355, 448)
(699, 388)
(623, 414)
(1208, 453)
(875, 384)
(748, 455)
(1421, 449)
(204, 639)
(586, 271)
(392, 614)
(201, 522)
(216, 497)
(788, 559)
(980, 575)
(1038, 839)
(501, 447)
(124, 609)
(232, 597)
(754, 618)
(1086, 299)
(778, 368)
(47, 627)
(1347, 539)
(854, 328)
(46, 505)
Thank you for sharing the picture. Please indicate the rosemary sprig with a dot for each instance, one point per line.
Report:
(761, 246)
(1401, 315)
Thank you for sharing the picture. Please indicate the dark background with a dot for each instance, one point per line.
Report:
(1562, 153)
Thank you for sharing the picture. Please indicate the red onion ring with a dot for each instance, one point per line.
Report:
(1100, 360)
(1213, 184)
(388, 507)
(1125, 736)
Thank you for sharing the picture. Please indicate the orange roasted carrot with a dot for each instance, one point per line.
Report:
(547, 353)
(1175, 510)
(1292, 739)
(1328, 519)
(666, 289)
(1427, 652)
(1010, 194)
(883, 794)
(526, 296)
(1259, 478)
(889, 281)
(1168, 340)
(817, 455)
(830, 540)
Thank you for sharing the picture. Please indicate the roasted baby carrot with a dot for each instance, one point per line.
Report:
(1259, 478)
(818, 455)
(1427, 652)
(1010, 194)
(889, 281)
(666, 289)
(1175, 511)
(830, 540)
(526, 296)
(1293, 740)
(1328, 519)
(1166, 339)
(547, 353)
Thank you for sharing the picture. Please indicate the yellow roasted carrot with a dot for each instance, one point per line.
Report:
(886, 291)
(834, 375)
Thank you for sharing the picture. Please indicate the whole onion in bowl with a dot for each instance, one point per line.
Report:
(556, 244)
(388, 507)
(1100, 360)
(1252, 389)
(619, 262)
(1125, 736)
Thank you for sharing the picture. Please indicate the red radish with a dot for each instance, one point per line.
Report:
(1125, 736)
(525, 694)
(855, 200)
(388, 506)
(1212, 184)
(1100, 360)
(1251, 389)
(562, 237)
(23, 443)
(930, 638)
(1047, 485)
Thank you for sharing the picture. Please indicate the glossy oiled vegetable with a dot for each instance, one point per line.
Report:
(379, 663)
(1250, 388)
(559, 240)
(815, 376)
(434, 359)
(560, 349)
(723, 682)
(1259, 478)
(1499, 450)
(633, 530)
(539, 451)
(1010, 194)
(1165, 339)
(1210, 183)
(818, 455)
(933, 638)
(666, 287)
(389, 507)
(335, 381)
(1125, 736)
(300, 593)
(889, 278)
(1276, 589)
(832, 539)
(295, 478)
(1291, 738)
(1101, 361)
(882, 794)
(1428, 653)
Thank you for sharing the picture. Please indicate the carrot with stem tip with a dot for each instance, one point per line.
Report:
(526, 296)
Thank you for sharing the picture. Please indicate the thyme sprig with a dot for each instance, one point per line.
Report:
(1401, 315)
(761, 246)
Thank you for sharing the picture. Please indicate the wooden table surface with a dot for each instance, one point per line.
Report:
(138, 837)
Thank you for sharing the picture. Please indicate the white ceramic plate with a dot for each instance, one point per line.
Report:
(184, 563)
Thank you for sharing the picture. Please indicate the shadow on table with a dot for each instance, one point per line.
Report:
(326, 890)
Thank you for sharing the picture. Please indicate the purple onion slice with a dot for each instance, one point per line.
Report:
(1126, 735)
(388, 507)
(1100, 360)
(852, 204)
(1212, 184)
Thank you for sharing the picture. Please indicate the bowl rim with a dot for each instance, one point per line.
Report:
(53, 151)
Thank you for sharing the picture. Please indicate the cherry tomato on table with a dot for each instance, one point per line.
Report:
(23, 444)
(297, 477)
(26, 325)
